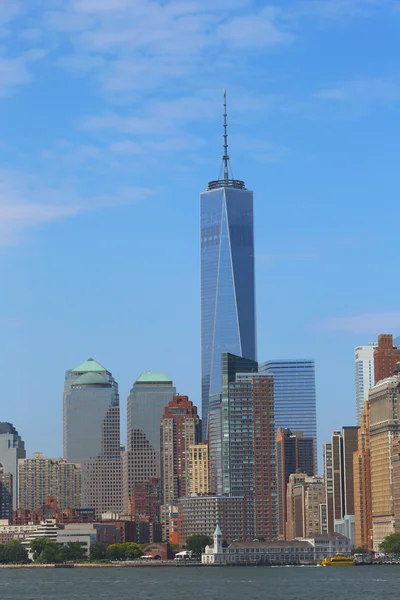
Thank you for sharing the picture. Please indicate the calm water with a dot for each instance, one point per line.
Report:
(177, 583)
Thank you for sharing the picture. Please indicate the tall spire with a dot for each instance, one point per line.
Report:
(225, 158)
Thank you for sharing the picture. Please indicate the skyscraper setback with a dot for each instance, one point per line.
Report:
(228, 319)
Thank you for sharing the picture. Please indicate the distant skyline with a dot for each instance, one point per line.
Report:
(111, 124)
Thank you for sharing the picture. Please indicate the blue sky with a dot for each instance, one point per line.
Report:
(111, 123)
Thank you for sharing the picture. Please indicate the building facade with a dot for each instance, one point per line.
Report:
(362, 483)
(364, 375)
(145, 500)
(215, 444)
(199, 469)
(228, 316)
(201, 514)
(304, 497)
(294, 395)
(384, 407)
(91, 419)
(386, 357)
(294, 453)
(12, 448)
(149, 396)
(6, 495)
(41, 477)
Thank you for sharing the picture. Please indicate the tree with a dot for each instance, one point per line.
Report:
(97, 551)
(391, 544)
(197, 543)
(13, 552)
(260, 538)
(73, 551)
(360, 550)
(116, 552)
(46, 551)
(132, 551)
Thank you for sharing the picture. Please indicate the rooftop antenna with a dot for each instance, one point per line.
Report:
(225, 158)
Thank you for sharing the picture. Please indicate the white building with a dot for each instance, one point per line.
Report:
(364, 374)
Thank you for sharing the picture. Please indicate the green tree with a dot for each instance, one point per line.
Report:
(97, 551)
(132, 551)
(14, 552)
(116, 552)
(196, 543)
(260, 538)
(391, 544)
(73, 551)
(46, 550)
(360, 550)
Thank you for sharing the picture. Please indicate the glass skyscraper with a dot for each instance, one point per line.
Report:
(12, 448)
(228, 320)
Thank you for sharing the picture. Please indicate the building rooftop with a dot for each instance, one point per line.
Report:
(89, 366)
(91, 379)
(278, 543)
(153, 377)
(7, 428)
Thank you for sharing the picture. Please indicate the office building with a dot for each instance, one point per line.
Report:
(12, 448)
(248, 428)
(294, 453)
(304, 497)
(294, 396)
(149, 396)
(200, 515)
(386, 356)
(199, 483)
(179, 429)
(384, 408)
(6, 495)
(228, 318)
(364, 375)
(215, 444)
(41, 477)
(328, 478)
(362, 484)
(145, 500)
(91, 421)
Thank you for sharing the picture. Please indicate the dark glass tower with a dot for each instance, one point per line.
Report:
(228, 320)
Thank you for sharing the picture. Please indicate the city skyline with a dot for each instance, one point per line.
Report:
(102, 166)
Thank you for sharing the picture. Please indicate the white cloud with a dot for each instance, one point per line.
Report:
(255, 30)
(371, 323)
(362, 91)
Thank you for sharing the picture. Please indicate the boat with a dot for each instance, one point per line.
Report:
(339, 560)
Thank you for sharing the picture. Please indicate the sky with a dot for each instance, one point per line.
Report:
(111, 126)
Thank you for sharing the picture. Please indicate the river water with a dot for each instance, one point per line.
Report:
(180, 583)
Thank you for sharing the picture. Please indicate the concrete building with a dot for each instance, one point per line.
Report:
(201, 514)
(304, 497)
(12, 448)
(328, 478)
(386, 356)
(294, 453)
(199, 483)
(41, 477)
(347, 527)
(384, 431)
(149, 396)
(364, 375)
(6, 495)
(362, 483)
(91, 421)
(214, 438)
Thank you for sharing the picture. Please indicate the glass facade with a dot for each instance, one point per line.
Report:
(294, 395)
(12, 448)
(228, 322)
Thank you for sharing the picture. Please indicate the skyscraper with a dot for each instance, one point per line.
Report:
(228, 319)
(92, 434)
(12, 448)
(364, 375)
(362, 483)
(386, 356)
(294, 453)
(149, 396)
(6, 494)
(294, 395)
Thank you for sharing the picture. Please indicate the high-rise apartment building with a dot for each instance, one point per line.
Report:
(304, 498)
(386, 356)
(384, 405)
(228, 317)
(364, 375)
(328, 478)
(294, 395)
(145, 500)
(92, 434)
(199, 483)
(179, 429)
(12, 448)
(294, 453)
(149, 396)
(41, 477)
(215, 444)
(6, 494)
(248, 428)
(362, 484)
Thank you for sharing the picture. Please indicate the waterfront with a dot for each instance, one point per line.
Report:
(233, 583)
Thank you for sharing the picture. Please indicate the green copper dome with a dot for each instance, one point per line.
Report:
(153, 377)
(91, 379)
(89, 366)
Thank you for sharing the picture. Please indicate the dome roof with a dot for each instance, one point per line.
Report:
(153, 377)
(89, 366)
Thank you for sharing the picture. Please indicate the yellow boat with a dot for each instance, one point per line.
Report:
(339, 560)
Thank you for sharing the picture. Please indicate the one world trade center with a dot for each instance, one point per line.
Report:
(228, 319)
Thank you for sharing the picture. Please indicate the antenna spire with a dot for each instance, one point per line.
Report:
(225, 158)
